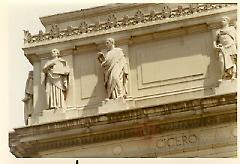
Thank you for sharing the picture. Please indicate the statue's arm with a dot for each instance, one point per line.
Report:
(216, 43)
(101, 57)
(26, 98)
(235, 35)
(48, 66)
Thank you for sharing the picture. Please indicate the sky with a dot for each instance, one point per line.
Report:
(16, 17)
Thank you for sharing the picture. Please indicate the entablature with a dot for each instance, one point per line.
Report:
(153, 120)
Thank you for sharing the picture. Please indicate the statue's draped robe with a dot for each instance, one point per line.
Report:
(227, 38)
(28, 99)
(115, 73)
(56, 81)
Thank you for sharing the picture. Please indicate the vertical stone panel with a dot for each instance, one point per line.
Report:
(39, 101)
(70, 98)
(89, 88)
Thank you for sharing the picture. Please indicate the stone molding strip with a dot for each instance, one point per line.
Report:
(140, 113)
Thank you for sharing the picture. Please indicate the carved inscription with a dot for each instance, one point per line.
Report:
(170, 141)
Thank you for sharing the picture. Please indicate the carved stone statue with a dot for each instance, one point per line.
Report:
(226, 45)
(115, 69)
(28, 99)
(56, 80)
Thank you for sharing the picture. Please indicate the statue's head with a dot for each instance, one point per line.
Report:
(30, 74)
(110, 43)
(225, 21)
(55, 52)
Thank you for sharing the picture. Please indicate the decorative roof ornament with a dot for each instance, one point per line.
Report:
(221, 5)
(96, 26)
(207, 6)
(213, 6)
(125, 20)
(54, 31)
(40, 36)
(111, 21)
(179, 11)
(138, 17)
(27, 36)
(69, 31)
(152, 16)
(192, 8)
(166, 12)
(83, 27)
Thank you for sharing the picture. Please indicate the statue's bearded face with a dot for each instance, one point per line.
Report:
(55, 53)
(109, 44)
(30, 73)
(225, 21)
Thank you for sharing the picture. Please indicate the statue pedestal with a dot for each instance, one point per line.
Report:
(52, 115)
(226, 86)
(113, 105)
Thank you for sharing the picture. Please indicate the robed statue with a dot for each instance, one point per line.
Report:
(56, 81)
(115, 69)
(226, 44)
(28, 99)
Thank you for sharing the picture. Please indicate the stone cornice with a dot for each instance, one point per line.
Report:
(89, 12)
(127, 124)
(142, 32)
(112, 24)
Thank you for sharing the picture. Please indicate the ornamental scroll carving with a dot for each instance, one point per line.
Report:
(54, 31)
(27, 36)
(166, 12)
(139, 17)
(113, 22)
(69, 31)
(83, 28)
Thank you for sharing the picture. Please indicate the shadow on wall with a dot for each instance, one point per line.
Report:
(39, 95)
(89, 87)
(213, 70)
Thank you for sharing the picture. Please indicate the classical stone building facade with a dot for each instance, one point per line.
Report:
(177, 104)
